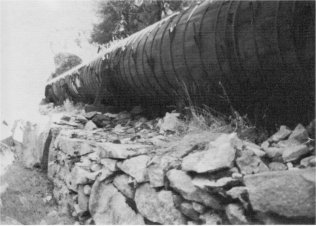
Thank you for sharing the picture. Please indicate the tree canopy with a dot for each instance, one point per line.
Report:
(64, 62)
(120, 18)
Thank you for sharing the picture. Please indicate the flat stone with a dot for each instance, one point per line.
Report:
(90, 126)
(277, 166)
(236, 214)
(293, 153)
(299, 134)
(108, 206)
(182, 183)
(121, 151)
(121, 182)
(157, 206)
(136, 167)
(202, 182)
(210, 218)
(274, 152)
(156, 175)
(187, 209)
(109, 163)
(249, 163)
(73, 146)
(220, 155)
(254, 148)
(282, 134)
(286, 193)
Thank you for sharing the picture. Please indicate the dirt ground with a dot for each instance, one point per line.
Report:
(26, 198)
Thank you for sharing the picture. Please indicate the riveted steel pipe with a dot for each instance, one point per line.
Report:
(252, 51)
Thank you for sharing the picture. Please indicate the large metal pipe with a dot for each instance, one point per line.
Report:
(257, 52)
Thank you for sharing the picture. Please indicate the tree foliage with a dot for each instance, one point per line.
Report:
(134, 15)
(64, 62)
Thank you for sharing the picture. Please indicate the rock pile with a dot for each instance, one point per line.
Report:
(124, 169)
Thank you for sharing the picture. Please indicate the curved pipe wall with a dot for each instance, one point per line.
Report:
(253, 51)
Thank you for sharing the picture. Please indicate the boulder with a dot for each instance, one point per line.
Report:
(108, 206)
(157, 206)
(294, 152)
(286, 193)
(156, 175)
(236, 214)
(299, 134)
(121, 182)
(136, 167)
(282, 134)
(220, 155)
(121, 151)
(187, 209)
(249, 163)
(274, 152)
(182, 183)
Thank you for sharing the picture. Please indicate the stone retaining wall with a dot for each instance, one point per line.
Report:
(128, 171)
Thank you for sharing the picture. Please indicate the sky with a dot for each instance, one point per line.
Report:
(32, 31)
